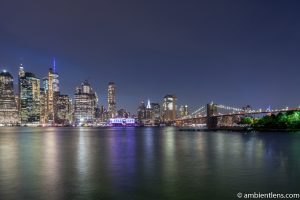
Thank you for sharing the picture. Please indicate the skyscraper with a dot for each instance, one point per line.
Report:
(149, 111)
(85, 104)
(141, 112)
(52, 92)
(8, 107)
(43, 105)
(169, 108)
(111, 100)
(49, 96)
(183, 110)
(29, 98)
(21, 74)
(63, 110)
(156, 112)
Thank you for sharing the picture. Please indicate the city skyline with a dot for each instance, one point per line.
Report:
(103, 98)
(234, 53)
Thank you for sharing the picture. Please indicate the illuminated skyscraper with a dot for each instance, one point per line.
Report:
(183, 111)
(51, 87)
(8, 107)
(50, 97)
(141, 112)
(149, 111)
(20, 75)
(64, 110)
(156, 112)
(169, 108)
(43, 105)
(29, 98)
(148, 114)
(85, 104)
(111, 100)
(55, 78)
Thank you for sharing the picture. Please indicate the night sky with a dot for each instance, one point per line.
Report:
(231, 52)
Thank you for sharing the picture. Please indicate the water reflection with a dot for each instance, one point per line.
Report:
(9, 157)
(50, 162)
(144, 163)
(148, 146)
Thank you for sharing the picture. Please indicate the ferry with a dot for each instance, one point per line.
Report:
(122, 122)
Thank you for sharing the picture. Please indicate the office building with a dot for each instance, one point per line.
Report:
(8, 107)
(29, 98)
(111, 100)
(63, 110)
(169, 108)
(85, 104)
(183, 111)
(141, 112)
(156, 112)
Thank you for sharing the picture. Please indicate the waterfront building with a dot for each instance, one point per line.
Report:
(169, 108)
(184, 111)
(141, 112)
(149, 111)
(43, 105)
(29, 98)
(103, 114)
(85, 104)
(56, 96)
(148, 114)
(64, 110)
(156, 112)
(8, 106)
(49, 96)
(111, 100)
(20, 74)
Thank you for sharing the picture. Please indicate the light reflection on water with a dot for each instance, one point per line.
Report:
(144, 163)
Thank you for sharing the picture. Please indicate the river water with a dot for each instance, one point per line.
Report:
(144, 163)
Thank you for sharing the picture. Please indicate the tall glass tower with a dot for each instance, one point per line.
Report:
(111, 100)
(8, 106)
(29, 98)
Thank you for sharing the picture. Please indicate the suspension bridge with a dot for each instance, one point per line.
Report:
(216, 115)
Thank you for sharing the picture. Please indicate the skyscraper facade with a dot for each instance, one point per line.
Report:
(8, 106)
(156, 112)
(43, 105)
(184, 111)
(149, 111)
(111, 100)
(50, 96)
(169, 108)
(63, 110)
(149, 114)
(29, 98)
(85, 104)
(141, 112)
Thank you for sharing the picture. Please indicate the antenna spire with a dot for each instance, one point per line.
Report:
(54, 65)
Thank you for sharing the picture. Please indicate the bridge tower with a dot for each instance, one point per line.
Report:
(212, 120)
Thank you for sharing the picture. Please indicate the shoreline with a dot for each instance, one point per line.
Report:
(240, 129)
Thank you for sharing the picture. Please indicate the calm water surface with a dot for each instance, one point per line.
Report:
(144, 163)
